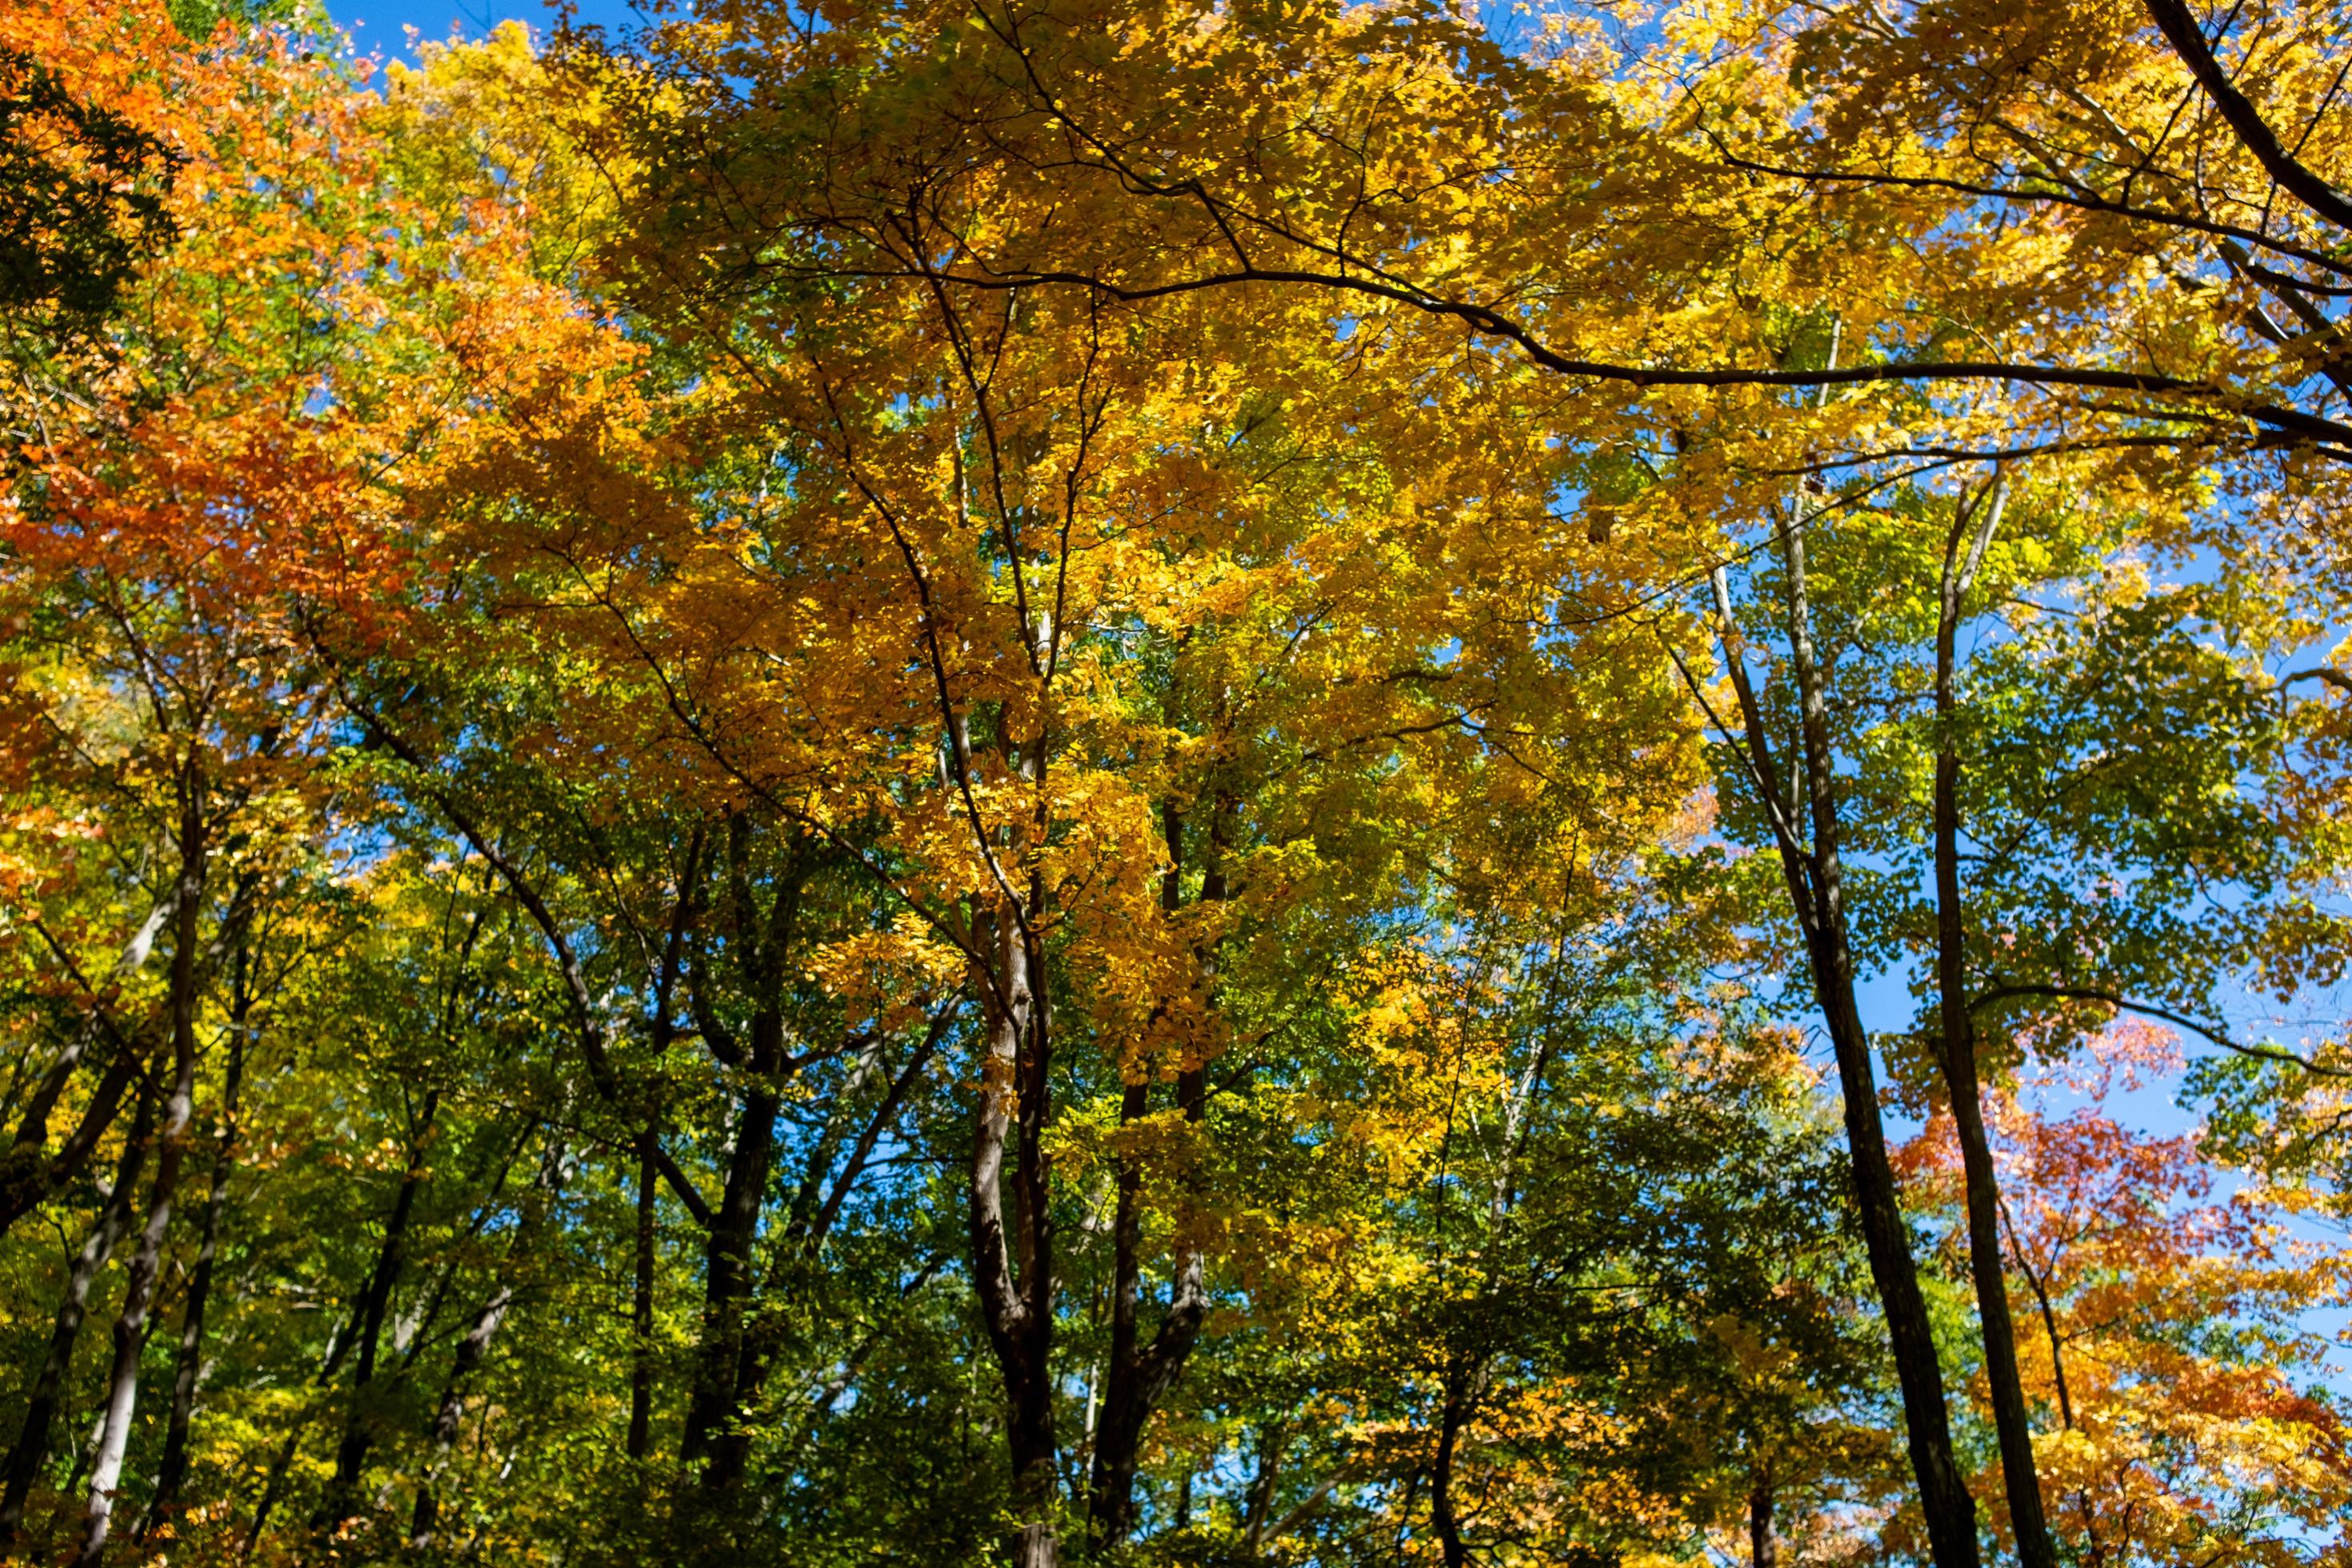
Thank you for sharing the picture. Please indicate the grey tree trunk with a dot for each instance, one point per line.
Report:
(29, 1175)
(31, 1448)
(1016, 1297)
(450, 1413)
(179, 1109)
(171, 1472)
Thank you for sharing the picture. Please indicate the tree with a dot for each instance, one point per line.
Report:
(2162, 1327)
(1079, 783)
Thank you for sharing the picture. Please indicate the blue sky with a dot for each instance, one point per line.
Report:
(377, 24)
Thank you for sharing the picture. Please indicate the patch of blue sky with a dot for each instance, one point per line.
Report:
(394, 28)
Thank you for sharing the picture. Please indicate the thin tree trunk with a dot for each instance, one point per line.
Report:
(683, 913)
(273, 1487)
(2050, 1327)
(449, 1414)
(2011, 1421)
(1816, 890)
(641, 1319)
(171, 1472)
(1114, 1431)
(1460, 1390)
(716, 1429)
(83, 1456)
(30, 1178)
(713, 1422)
(26, 1458)
(179, 1109)
(1142, 1374)
(359, 1426)
(1257, 1506)
(29, 1175)
(814, 1211)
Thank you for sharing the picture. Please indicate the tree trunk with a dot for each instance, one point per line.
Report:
(641, 1319)
(2015, 1430)
(1257, 1506)
(1816, 890)
(1944, 1497)
(450, 1411)
(273, 1485)
(179, 1109)
(1763, 1544)
(359, 1419)
(1140, 1375)
(714, 1420)
(1460, 1389)
(1013, 1278)
(29, 1175)
(171, 1472)
(25, 1459)
(716, 1413)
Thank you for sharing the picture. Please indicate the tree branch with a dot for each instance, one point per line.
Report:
(2124, 1003)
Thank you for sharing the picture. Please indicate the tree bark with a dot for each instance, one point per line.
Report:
(25, 1459)
(273, 1485)
(1461, 1390)
(449, 1412)
(2011, 1421)
(713, 1420)
(376, 1299)
(29, 1175)
(1816, 879)
(179, 1109)
(1763, 1541)
(1013, 1277)
(1257, 1506)
(171, 1472)
(1140, 1374)
(641, 1319)
(716, 1432)
(684, 910)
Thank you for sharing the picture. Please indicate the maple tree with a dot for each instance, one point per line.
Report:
(970, 176)
(2165, 1440)
(1136, 783)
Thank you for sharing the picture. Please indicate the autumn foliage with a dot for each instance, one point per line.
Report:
(1151, 781)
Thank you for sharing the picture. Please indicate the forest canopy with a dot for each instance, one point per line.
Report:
(1178, 783)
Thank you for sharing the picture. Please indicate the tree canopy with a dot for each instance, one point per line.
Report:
(1178, 782)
